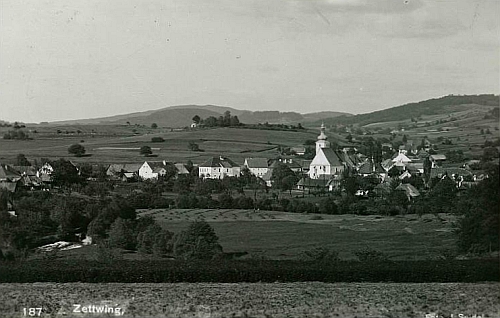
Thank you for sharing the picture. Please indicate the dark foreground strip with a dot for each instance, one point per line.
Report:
(249, 271)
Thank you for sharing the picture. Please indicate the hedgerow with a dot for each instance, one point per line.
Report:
(231, 271)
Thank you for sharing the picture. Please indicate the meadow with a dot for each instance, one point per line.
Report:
(108, 144)
(309, 299)
(283, 235)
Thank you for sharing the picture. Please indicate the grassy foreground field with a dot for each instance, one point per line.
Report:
(283, 235)
(256, 300)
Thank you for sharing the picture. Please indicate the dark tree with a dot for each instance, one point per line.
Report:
(77, 150)
(22, 161)
(196, 119)
(154, 125)
(65, 173)
(146, 150)
(199, 241)
(280, 172)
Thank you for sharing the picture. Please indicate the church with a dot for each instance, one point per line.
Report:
(327, 163)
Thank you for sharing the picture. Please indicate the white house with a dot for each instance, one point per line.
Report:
(257, 166)
(327, 162)
(152, 170)
(218, 168)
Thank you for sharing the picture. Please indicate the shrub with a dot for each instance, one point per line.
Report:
(157, 139)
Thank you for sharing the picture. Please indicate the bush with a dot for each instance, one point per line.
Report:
(157, 139)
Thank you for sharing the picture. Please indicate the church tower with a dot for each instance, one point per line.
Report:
(322, 140)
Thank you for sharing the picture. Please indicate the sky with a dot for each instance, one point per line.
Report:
(63, 59)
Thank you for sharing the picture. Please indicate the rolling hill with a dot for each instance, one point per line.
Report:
(181, 116)
(443, 105)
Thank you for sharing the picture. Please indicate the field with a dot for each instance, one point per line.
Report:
(282, 235)
(115, 144)
(311, 299)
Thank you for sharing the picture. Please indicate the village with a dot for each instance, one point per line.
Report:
(409, 170)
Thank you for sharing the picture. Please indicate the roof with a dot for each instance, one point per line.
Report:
(219, 162)
(308, 182)
(369, 167)
(181, 168)
(409, 189)
(127, 167)
(7, 173)
(256, 162)
(332, 157)
(298, 149)
(401, 158)
(439, 172)
(437, 157)
(27, 170)
(9, 186)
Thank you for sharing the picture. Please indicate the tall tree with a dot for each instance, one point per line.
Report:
(22, 161)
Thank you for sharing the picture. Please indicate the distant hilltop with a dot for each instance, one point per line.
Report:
(181, 116)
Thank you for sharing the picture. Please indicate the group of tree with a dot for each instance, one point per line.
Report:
(77, 150)
(16, 134)
(226, 120)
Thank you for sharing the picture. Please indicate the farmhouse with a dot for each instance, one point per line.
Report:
(124, 172)
(437, 160)
(152, 170)
(218, 168)
(258, 166)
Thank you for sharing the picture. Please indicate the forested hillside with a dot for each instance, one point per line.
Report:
(443, 105)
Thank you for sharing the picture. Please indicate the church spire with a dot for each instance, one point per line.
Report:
(322, 135)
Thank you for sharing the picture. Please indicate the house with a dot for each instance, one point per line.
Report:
(308, 184)
(124, 172)
(437, 160)
(298, 150)
(45, 172)
(401, 160)
(257, 166)
(9, 178)
(410, 191)
(327, 162)
(181, 168)
(152, 170)
(218, 168)
(369, 167)
(294, 165)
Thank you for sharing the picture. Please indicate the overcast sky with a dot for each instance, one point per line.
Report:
(69, 59)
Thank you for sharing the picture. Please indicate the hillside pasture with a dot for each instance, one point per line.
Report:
(110, 147)
(283, 235)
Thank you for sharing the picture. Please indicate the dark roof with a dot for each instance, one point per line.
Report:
(439, 172)
(308, 182)
(256, 162)
(7, 173)
(127, 167)
(368, 167)
(27, 170)
(219, 162)
(332, 157)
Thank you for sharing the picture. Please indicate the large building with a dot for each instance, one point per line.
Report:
(258, 166)
(218, 168)
(327, 163)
